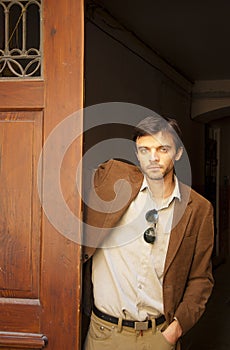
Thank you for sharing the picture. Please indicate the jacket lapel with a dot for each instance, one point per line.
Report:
(181, 216)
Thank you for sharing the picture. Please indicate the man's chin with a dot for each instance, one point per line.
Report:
(156, 177)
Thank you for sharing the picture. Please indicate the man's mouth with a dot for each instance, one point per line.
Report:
(154, 167)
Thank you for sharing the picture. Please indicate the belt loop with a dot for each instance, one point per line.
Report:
(119, 326)
(153, 325)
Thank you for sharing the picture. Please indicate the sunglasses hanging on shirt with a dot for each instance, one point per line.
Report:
(151, 216)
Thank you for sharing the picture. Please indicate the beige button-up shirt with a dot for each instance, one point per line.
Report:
(128, 272)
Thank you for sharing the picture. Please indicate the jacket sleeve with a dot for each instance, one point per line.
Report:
(200, 282)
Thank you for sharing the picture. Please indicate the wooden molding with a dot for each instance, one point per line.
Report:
(22, 340)
(25, 94)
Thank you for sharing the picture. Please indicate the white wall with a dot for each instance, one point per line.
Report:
(114, 73)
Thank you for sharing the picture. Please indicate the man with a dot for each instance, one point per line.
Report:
(151, 273)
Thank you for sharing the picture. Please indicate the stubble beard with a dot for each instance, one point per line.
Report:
(158, 175)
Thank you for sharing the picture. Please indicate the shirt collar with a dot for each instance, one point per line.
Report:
(144, 184)
(175, 194)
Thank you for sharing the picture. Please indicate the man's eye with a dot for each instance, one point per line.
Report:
(143, 150)
(164, 149)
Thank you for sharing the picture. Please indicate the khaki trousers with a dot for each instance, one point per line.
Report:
(104, 335)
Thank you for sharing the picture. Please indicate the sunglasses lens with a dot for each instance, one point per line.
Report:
(152, 216)
(149, 235)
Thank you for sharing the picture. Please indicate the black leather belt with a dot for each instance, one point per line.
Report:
(138, 325)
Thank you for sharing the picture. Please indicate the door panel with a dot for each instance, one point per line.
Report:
(20, 210)
(21, 135)
(20, 221)
(40, 268)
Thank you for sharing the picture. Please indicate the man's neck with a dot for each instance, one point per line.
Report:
(161, 188)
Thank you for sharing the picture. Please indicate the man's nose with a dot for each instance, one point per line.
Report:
(154, 155)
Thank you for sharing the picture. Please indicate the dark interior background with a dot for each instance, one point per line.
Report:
(171, 58)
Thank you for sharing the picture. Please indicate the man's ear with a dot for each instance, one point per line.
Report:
(179, 153)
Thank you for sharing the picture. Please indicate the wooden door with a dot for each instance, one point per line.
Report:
(40, 270)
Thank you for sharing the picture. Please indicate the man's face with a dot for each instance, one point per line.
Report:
(157, 154)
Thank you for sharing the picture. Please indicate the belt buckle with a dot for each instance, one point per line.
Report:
(141, 326)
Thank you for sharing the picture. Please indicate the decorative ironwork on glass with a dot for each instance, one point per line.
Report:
(20, 39)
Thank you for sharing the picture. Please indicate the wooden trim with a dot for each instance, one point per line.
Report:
(19, 316)
(60, 292)
(23, 340)
(24, 94)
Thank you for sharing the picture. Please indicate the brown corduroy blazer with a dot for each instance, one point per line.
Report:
(188, 280)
